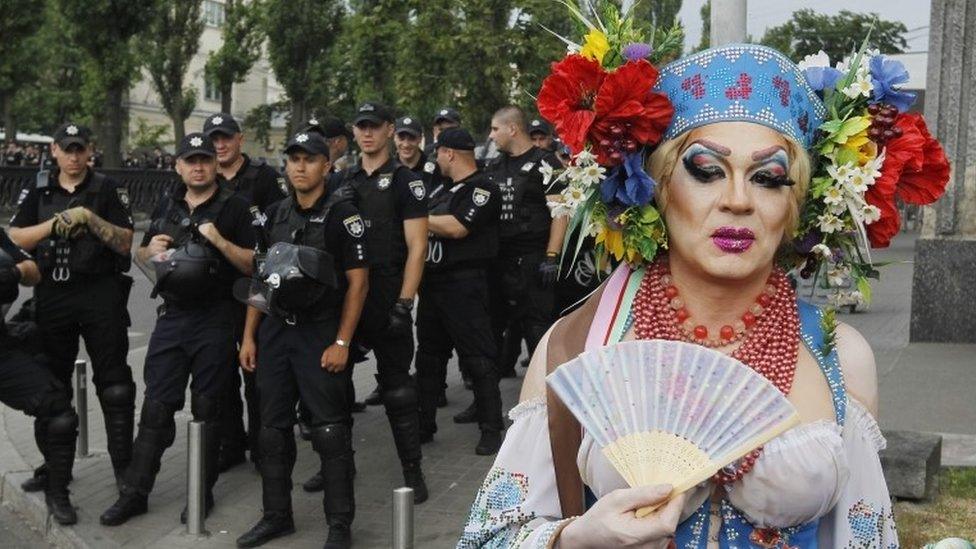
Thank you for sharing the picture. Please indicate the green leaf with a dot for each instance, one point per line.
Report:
(864, 287)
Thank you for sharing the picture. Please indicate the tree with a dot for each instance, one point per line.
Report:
(659, 13)
(106, 31)
(809, 32)
(19, 21)
(169, 44)
(706, 16)
(242, 38)
(301, 34)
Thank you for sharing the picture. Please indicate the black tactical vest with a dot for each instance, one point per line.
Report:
(60, 258)
(472, 251)
(376, 199)
(178, 225)
(524, 208)
(288, 225)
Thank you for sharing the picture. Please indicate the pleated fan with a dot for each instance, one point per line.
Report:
(668, 412)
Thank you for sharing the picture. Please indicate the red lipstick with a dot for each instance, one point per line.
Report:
(733, 240)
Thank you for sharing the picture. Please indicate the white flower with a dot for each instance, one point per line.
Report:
(833, 195)
(839, 173)
(838, 209)
(819, 59)
(822, 250)
(858, 182)
(829, 223)
(546, 170)
(873, 168)
(861, 86)
(836, 277)
(585, 157)
(591, 174)
(594, 229)
(870, 214)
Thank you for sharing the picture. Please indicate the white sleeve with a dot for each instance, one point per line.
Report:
(863, 516)
(518, 505)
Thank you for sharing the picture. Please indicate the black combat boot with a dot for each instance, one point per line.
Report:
(333, 443)
(488, 404)
(118, 406)
(277, 460)
(62, 435)
(401, 410)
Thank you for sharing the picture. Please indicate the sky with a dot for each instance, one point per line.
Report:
(762, 14)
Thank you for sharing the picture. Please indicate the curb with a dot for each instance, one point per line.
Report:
(34, 511)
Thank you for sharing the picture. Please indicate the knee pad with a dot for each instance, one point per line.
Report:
(400, 400)
(203, 407)
(332, 439)
(52, 402)
(63, 424)
(157, 419)
(121, 396)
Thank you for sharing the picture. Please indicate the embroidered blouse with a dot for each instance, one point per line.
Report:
(818, 485)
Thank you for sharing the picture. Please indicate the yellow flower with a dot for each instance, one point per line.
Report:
(612, 240)
(595, 45)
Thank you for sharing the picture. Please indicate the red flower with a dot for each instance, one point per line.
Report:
(915, 170)
(615, 113)
(567, 98)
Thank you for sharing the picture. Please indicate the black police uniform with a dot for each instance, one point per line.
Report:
(453, 309)
(385, 198)
(518, 296)
(260, 185)
(582, 276)
(289, 361)
(83, 292)
(194, 336)
(27, 385)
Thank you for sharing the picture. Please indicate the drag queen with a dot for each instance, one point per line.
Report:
(736, 134)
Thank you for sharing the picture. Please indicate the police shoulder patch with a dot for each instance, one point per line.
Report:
(417, 189)
(429, 167)
(283, 185)
(354, 225)
(123, 195)
(480, 197)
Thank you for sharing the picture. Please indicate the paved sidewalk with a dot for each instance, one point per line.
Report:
(923, 387)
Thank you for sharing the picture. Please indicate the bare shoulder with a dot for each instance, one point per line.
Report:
(534, 383)
(858, 365)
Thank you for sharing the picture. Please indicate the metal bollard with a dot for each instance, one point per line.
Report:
(403, 518)
(195, 478)
(81, 407)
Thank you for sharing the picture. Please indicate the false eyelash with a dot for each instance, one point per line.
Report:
(773, 182)
(703, 175)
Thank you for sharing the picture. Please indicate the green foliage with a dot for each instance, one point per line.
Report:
(828, 325)
(301, 35)
(148, 135)
(839, 35)
(19, 22)
(242, 37)
(167, 48)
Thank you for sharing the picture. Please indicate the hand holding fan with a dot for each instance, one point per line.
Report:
(668, 412)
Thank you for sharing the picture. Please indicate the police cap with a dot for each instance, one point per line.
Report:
(307, 141)
(455, 138)
(72, 134)
(410, 125)
(540, 126)
(196, 144)
(374, 112)
(447, 114)
(328, 127)
(221, 123)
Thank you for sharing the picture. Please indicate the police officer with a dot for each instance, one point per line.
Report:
(530, 241)
(77, 224)
(337, 136)
(27, 385)
(393, 202)
(300, 349)
(453, 310)
(444, 118)
(200, 240)
(541, 134)
(261, 186)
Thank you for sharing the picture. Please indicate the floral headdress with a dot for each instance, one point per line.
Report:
(611, 106)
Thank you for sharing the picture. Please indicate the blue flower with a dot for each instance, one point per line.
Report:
(628, 183)
(887, 75)
(822, 78)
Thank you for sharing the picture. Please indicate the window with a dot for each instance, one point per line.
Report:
(213, 13)
(210, 91)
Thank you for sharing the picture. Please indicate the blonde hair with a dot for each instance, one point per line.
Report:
(660, 165)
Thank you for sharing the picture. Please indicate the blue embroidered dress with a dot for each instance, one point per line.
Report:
(817, 485)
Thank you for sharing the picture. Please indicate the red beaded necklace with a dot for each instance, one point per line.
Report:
(769, 330)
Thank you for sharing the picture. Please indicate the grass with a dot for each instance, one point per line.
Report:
(952, 514)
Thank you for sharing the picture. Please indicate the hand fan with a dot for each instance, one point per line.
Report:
(668, 412)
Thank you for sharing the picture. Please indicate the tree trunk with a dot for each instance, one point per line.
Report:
(9, 121)
(110, 142)
(298, 115)
(179, 127)
(226, 98)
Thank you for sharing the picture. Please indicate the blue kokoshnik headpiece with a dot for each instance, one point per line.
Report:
(741, 83)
